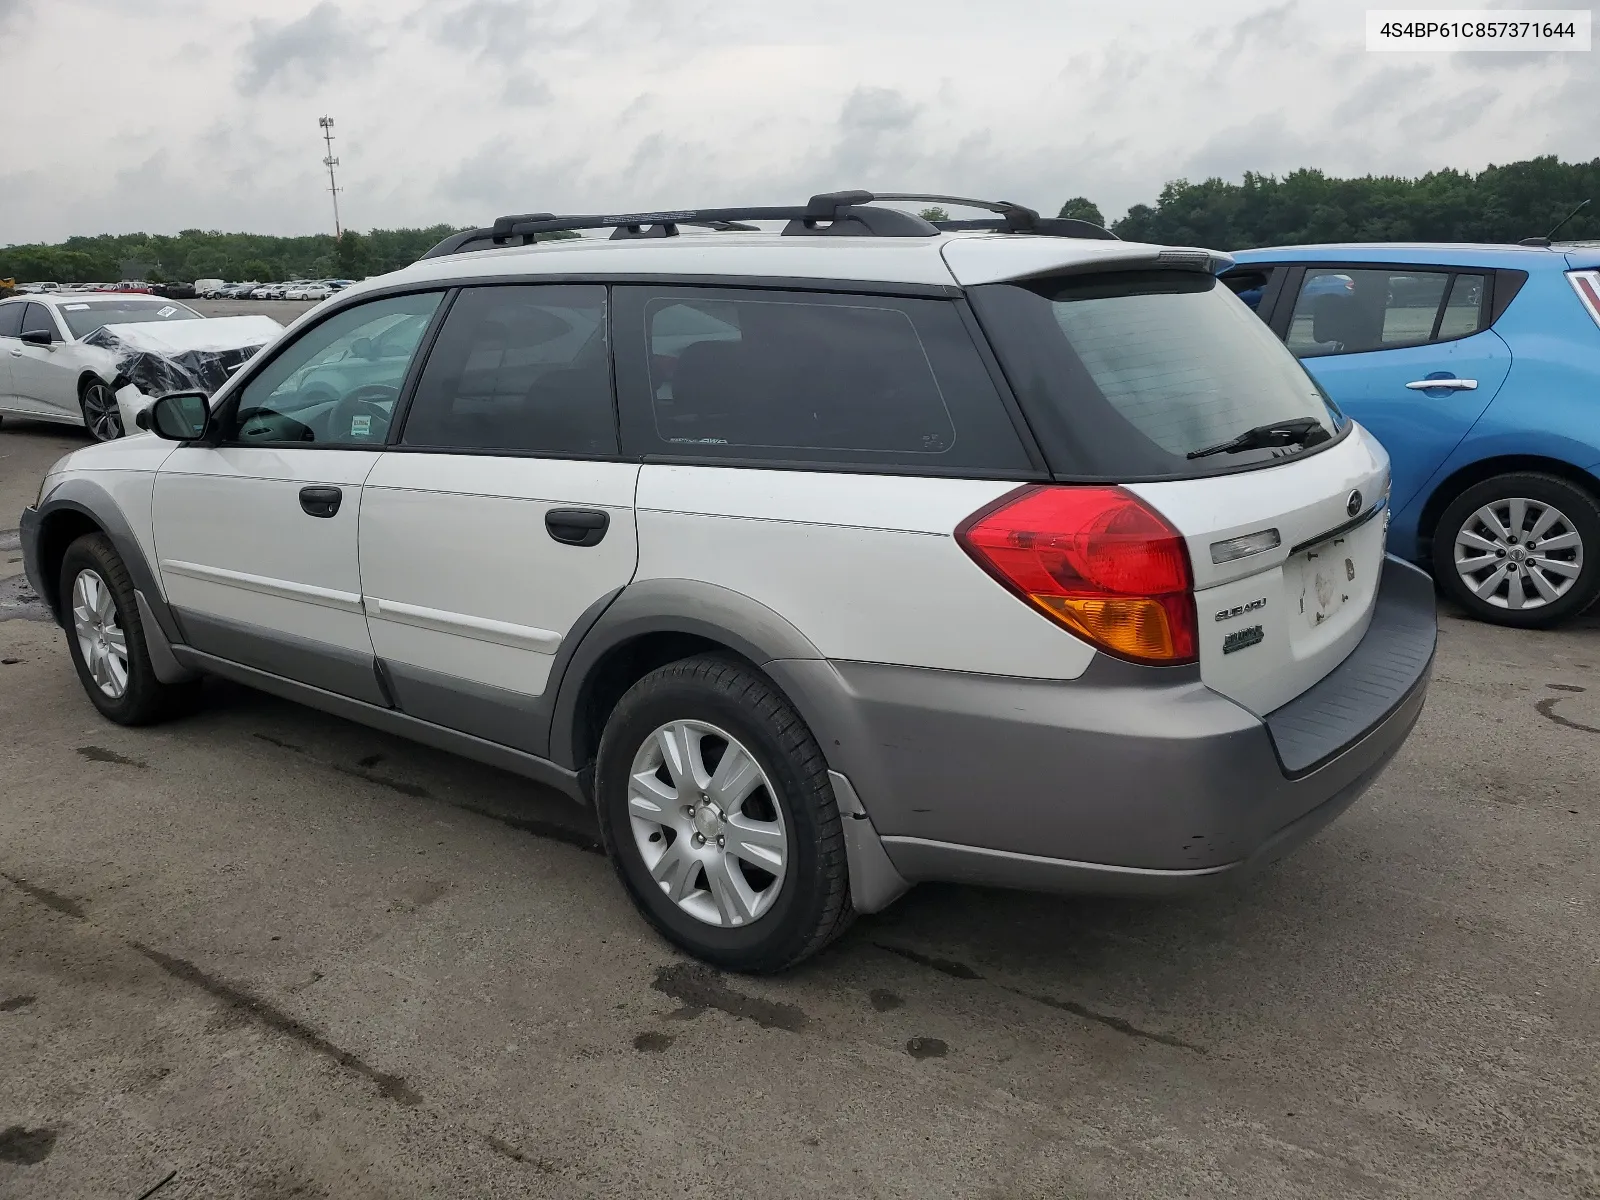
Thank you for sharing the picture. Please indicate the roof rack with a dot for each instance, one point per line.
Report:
(827, 214)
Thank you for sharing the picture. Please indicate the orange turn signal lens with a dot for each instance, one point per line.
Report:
(1137, 627)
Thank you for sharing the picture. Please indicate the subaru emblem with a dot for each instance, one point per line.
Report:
(1352, 506)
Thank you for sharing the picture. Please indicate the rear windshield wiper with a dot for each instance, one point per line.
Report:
(1298, 431)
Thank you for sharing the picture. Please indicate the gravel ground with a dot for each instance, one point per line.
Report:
(282, 955)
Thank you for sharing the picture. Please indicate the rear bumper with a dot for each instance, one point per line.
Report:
(1129, 780)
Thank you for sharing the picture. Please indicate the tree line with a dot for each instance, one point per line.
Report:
(1498, 204)
(204, 254)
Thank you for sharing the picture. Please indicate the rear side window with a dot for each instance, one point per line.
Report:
(518, 368)
(809, 378)
(11, 320)
(1346, 310)
(1124, 375)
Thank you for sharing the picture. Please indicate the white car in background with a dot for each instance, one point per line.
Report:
(46, 370)
(97, 359)
(307, 291)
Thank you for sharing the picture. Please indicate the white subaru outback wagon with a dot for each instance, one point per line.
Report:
(820, 559)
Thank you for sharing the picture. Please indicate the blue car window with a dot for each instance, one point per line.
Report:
(1463, 311)
(1349, 311)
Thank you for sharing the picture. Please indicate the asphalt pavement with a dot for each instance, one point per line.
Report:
(261, 952)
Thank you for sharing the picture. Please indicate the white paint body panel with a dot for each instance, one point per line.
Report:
(865, 566)
(462, 578)
(126, 469)
(234, 543)
(1303, 499)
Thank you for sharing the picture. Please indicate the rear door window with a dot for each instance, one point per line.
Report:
(1354, 310)
(11, 320)
(518, 369)
(736, 375)
(1125, 375)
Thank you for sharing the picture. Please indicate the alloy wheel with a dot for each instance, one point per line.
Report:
(100, 638)
(1518, 553)
(706, 821)
(100, 412)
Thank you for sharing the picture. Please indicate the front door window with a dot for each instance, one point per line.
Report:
(337, 384)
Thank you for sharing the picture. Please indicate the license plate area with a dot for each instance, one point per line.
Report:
(1329, 579)
(1336, 574)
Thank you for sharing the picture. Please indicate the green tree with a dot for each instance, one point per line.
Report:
(934, 214)
(1081, 208)
(350, 253)
(257, 269)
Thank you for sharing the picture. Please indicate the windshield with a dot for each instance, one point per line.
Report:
(1124, 375)
(84, 317)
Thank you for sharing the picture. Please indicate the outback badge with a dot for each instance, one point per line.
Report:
(1243, 639)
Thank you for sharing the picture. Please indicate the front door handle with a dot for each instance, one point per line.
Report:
(1449, 384)
(577, 526)
(320, 500)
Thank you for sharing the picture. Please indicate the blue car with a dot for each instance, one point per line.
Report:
(1478, 368)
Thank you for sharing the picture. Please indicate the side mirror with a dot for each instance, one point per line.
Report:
(37, 337)
(178, 416)
(363, 348)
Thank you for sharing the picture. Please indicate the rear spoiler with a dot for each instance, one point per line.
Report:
(1011, 261)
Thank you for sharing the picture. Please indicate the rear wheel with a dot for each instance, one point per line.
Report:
(106, 637)
(1521, 549)
(101, 416)
(718, 814)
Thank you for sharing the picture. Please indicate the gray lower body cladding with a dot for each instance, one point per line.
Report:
(1128, 780)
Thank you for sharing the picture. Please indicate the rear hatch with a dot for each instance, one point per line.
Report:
(1159, 380)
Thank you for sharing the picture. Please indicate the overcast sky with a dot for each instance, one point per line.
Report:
(161, 115)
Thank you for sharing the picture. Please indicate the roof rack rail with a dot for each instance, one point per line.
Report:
(827, 214)
(1013, 218)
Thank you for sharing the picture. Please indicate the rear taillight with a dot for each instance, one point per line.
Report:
(1587, 285)
(1098, 561)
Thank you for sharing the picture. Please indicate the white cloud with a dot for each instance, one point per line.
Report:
(458, 110)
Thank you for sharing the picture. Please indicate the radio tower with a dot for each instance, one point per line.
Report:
(331, 162)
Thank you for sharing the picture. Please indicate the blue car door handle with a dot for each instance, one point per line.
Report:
(1452, 385)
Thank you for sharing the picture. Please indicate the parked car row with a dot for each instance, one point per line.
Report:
(294, 289)
(126, 285)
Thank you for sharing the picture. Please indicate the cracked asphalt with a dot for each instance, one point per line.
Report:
(264, 953)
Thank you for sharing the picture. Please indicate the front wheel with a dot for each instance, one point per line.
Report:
(106, 637)
(101, 416)
(717, 811)
(1521, 549)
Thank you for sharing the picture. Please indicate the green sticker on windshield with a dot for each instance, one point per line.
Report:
(360, 426)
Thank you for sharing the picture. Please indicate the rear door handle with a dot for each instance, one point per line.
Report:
(320, 500)
(577, 526)
(1452, 384)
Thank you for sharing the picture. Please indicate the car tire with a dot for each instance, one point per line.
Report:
(101, 416)
(99, 612)
(1482, 557)
(702, 881)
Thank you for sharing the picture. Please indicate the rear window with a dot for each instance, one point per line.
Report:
(83, 317)
(1123, 376)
